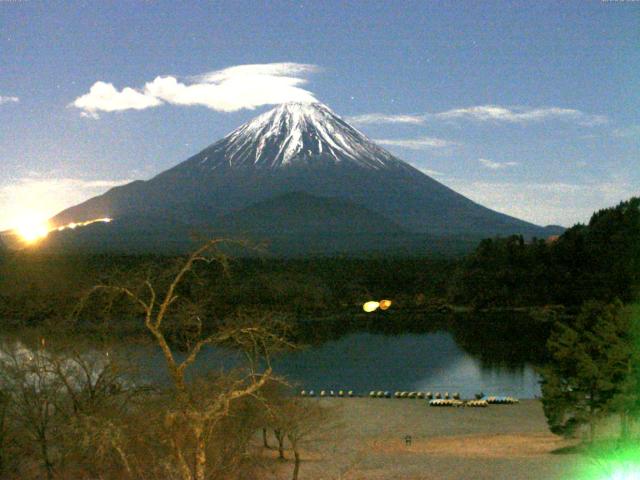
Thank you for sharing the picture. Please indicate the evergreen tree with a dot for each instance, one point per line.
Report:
(589, 370)
(627, 403)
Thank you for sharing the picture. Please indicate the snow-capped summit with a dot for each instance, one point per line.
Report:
(296, 133)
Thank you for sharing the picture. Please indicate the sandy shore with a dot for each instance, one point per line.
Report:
(367, 441)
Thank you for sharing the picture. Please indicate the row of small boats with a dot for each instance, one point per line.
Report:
(436, 399)
(479, 402)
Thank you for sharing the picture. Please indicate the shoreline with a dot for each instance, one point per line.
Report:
(367, 440)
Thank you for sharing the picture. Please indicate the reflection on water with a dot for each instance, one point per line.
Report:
(467, 355)
(420, 362)
(364, 361)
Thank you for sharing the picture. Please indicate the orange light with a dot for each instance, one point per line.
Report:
(74, 225)
(32, 230)
(385, 304)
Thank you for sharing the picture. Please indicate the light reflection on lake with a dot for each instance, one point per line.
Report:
(364, 361)
(419, 362)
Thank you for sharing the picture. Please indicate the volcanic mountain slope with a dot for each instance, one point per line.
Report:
(300, 213)
(302, 148)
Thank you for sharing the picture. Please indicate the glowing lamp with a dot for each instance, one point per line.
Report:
(370, 306)
(385, 304)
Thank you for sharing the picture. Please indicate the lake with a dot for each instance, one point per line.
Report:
(415, 362)
(496, 357)
(467, 355)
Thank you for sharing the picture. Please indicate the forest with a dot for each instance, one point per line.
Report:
(597, 261)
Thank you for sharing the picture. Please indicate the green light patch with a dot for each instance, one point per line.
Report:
(620, 462)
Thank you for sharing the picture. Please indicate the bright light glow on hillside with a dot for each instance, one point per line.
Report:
(32, 230)
(73, 226)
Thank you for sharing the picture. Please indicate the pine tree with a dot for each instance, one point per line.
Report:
(627, 403)
(589, 370)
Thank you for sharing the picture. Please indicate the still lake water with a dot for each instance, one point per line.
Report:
(414, 362)
(365, 361)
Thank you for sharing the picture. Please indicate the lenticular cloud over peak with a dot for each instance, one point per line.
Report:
(285, 69)
(227, 90)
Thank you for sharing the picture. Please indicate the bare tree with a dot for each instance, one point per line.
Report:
(275, 397)
(26, 377)
(192, 416)
(50, 394)
(5, 430)
(307, 420)
(297, 420)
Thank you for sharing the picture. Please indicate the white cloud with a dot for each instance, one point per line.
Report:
(423, 143)
(546, 203)
(496, 165)
(8, 99)
(381, 118)
(497, 113)
(39, 198)
(227, 90)
(106, 98)
(632, 131)
(587, 120)
(431, 173)
(284, 69)
(486, 113)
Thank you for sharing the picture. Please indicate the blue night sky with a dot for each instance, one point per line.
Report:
(530, 108)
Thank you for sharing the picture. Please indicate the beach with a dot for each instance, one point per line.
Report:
(368, 439)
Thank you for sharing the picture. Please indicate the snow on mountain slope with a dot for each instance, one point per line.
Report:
(295, 133)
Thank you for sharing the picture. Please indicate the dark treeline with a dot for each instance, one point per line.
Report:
(36, 288)
(598, 261)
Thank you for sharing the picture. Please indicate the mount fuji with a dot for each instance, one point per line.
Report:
(298, 176)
